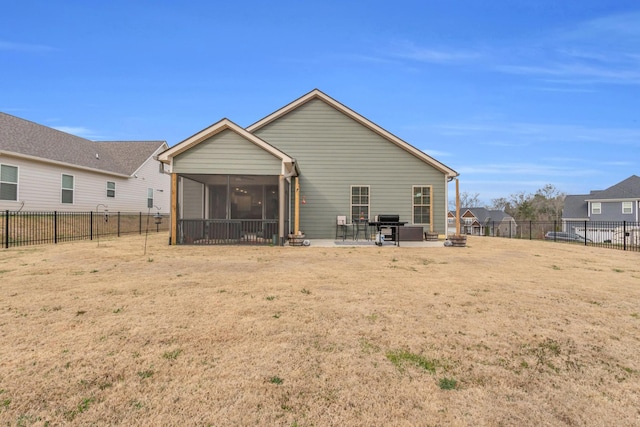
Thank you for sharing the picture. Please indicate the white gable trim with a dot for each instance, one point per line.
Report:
(358, 118)
(224, 124)
(153, 157)
(626, 199)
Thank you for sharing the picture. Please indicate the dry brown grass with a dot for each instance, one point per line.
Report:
(527, 333)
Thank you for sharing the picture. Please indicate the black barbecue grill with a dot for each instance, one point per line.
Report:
(384, 223)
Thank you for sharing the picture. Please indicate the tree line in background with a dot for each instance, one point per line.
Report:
(544, 205)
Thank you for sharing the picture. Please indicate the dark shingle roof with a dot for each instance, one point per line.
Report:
(575, 206)
(483, 214)
(627, 189)
(31, 139)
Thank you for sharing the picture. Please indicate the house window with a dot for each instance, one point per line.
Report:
(421, 204)
(360, 202)
(627, 207)
(111, 189)
(596, 208)
(149, 198)
(8, 182)
(67, 188)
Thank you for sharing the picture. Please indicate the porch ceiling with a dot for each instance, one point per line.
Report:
(208, 179)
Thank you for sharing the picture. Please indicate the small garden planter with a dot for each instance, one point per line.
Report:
(430, 237)
(296, 239)
(458, 241)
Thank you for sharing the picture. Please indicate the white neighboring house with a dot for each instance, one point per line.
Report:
(44, 169)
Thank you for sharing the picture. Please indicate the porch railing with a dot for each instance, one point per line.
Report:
(228, 232)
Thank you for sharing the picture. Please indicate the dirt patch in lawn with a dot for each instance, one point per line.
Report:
(502, 332)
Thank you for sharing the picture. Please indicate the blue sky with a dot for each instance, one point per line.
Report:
(512, 94)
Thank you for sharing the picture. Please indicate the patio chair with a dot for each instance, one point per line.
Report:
(342, 228)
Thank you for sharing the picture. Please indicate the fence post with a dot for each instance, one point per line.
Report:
(55, 227)
(118, 223)
(624, 235)
(585, 233)
(140, 223)
(530, 230)
(6, 229)
(90, 225)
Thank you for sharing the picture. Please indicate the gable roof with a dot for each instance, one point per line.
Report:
(27, 139)
(220, 126)
(317, 94)
(484, 215)
(575, 207)
(626, 189)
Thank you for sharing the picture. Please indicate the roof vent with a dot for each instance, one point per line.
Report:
(97, 156)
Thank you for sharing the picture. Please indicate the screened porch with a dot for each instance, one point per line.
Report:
(232, 209)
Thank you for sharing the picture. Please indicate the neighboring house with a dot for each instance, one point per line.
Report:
(44, 169)
(297, 170)
(484, 222)
(605, 215)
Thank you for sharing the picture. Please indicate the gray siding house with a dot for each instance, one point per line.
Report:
(295, 171)
(485, 222)
(44, 169)
(602, 214)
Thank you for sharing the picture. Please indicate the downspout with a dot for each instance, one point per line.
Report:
(293, 172)
(296, 219)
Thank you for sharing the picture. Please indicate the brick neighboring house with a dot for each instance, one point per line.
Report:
(483, 222)
(44, 169)
(605, 215)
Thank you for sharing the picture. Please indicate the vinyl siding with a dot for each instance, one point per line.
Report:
(335, 152)
(612, 211)
(227, 153)
(39, 186)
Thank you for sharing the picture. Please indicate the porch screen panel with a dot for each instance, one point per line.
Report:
(246, 202)
(271, 201)
(218, 196)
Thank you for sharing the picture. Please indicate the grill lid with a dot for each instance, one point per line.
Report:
(388, 218)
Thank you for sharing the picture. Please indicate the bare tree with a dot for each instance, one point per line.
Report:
(545, 205)
(467, 200)
(549, 202)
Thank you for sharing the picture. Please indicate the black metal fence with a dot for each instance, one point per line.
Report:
(623, 235)
(38, 228)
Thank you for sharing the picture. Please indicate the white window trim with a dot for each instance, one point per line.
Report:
(629, 206)
(150, 198)
(351, 205)
(73, 189)
(413, 205)
(17, 183)
(593, 208)
(111, 189)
